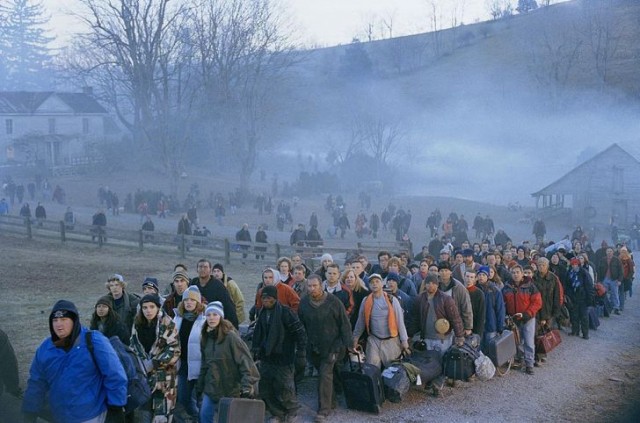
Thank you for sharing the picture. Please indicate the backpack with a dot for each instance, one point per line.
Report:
(138, 391)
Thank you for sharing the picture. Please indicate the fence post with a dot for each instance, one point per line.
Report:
(183, 246)
(141, 239)
(29, 233)
(63, 234)
(359, 247)
(101, 236)
(227, 251)
(277, 251)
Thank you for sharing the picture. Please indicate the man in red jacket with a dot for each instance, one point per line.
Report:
(523, 300)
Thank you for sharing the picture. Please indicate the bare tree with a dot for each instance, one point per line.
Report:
(603, 33)
(555, 58)
(378, 135)
(499, 9)
(135, 50)
(435, 19)
(242, 51)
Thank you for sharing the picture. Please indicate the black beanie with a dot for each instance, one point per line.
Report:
(219, 267)
(64, 308)
(270, 291)
(150, 298)
(106, 300)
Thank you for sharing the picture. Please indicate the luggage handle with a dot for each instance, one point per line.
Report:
(357, 351)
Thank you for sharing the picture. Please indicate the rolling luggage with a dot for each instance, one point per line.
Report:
(245, 410)
(594, 321)
(429, 362)
(363, 387)
(459, 362)
(502, 348)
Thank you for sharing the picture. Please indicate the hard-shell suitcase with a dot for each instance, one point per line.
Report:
(459, 362)
(429, 362)
(363, 387)
(245, 410)
(594, 320)
(501, 348)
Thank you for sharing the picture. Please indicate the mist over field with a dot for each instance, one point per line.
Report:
(489, 111)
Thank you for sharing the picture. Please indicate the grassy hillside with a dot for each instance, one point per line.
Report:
(524, 93)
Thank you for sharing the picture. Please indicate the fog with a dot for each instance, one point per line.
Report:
(487, 112)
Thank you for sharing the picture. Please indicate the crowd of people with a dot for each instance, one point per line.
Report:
(305, 322)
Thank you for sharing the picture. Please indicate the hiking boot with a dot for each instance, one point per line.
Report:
(585, 336)
(529, 370)
(435, 391)
(616, 311)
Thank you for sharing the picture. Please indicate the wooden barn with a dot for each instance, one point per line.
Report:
(603, 190)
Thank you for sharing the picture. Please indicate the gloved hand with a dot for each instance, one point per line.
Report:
(16, 392)
(115, 414)
(459, 341)
(246, 392)
(29, 418)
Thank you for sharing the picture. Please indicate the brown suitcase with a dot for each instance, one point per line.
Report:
(236, 410)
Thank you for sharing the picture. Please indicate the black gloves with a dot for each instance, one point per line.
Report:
(115, 414)
(246, 392)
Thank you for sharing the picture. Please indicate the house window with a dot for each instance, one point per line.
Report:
(85, 125)
(9, 126)
(52, 125)
(618, 180)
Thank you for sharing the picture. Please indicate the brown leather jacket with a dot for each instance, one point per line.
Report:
(445, 308)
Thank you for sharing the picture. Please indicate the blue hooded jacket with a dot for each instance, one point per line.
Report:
(495, 308)
(77, 389)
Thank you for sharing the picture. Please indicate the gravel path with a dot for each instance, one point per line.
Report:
(592, 380)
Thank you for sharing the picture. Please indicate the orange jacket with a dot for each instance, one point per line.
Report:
(286, 296)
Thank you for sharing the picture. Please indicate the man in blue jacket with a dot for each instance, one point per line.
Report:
(79, 388)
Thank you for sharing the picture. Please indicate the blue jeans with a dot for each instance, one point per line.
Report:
(612, 291)
(621, 296)
(527, 341)
(208, 409)
(186, 392)
(488, 336)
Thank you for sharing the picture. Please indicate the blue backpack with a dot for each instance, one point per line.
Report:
(138, 391)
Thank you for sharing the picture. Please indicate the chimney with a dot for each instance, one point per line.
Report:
(87, 90)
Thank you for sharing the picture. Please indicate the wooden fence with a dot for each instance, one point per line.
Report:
(216, 248)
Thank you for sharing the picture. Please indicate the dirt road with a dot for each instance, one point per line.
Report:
(583, 381)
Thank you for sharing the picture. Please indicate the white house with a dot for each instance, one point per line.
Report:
(52, 128)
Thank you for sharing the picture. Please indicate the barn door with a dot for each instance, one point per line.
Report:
(619, 213)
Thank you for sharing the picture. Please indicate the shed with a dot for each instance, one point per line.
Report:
(603, 190)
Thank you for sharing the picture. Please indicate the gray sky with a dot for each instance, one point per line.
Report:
(331, 22)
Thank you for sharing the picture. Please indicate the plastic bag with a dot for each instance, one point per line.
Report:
(484, 367)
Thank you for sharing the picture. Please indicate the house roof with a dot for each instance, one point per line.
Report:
(30, 101)
(612, 148)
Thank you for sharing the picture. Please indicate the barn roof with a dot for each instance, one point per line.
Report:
(612, 148)
(30, 101)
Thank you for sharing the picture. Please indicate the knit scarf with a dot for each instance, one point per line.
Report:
(190, 316)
